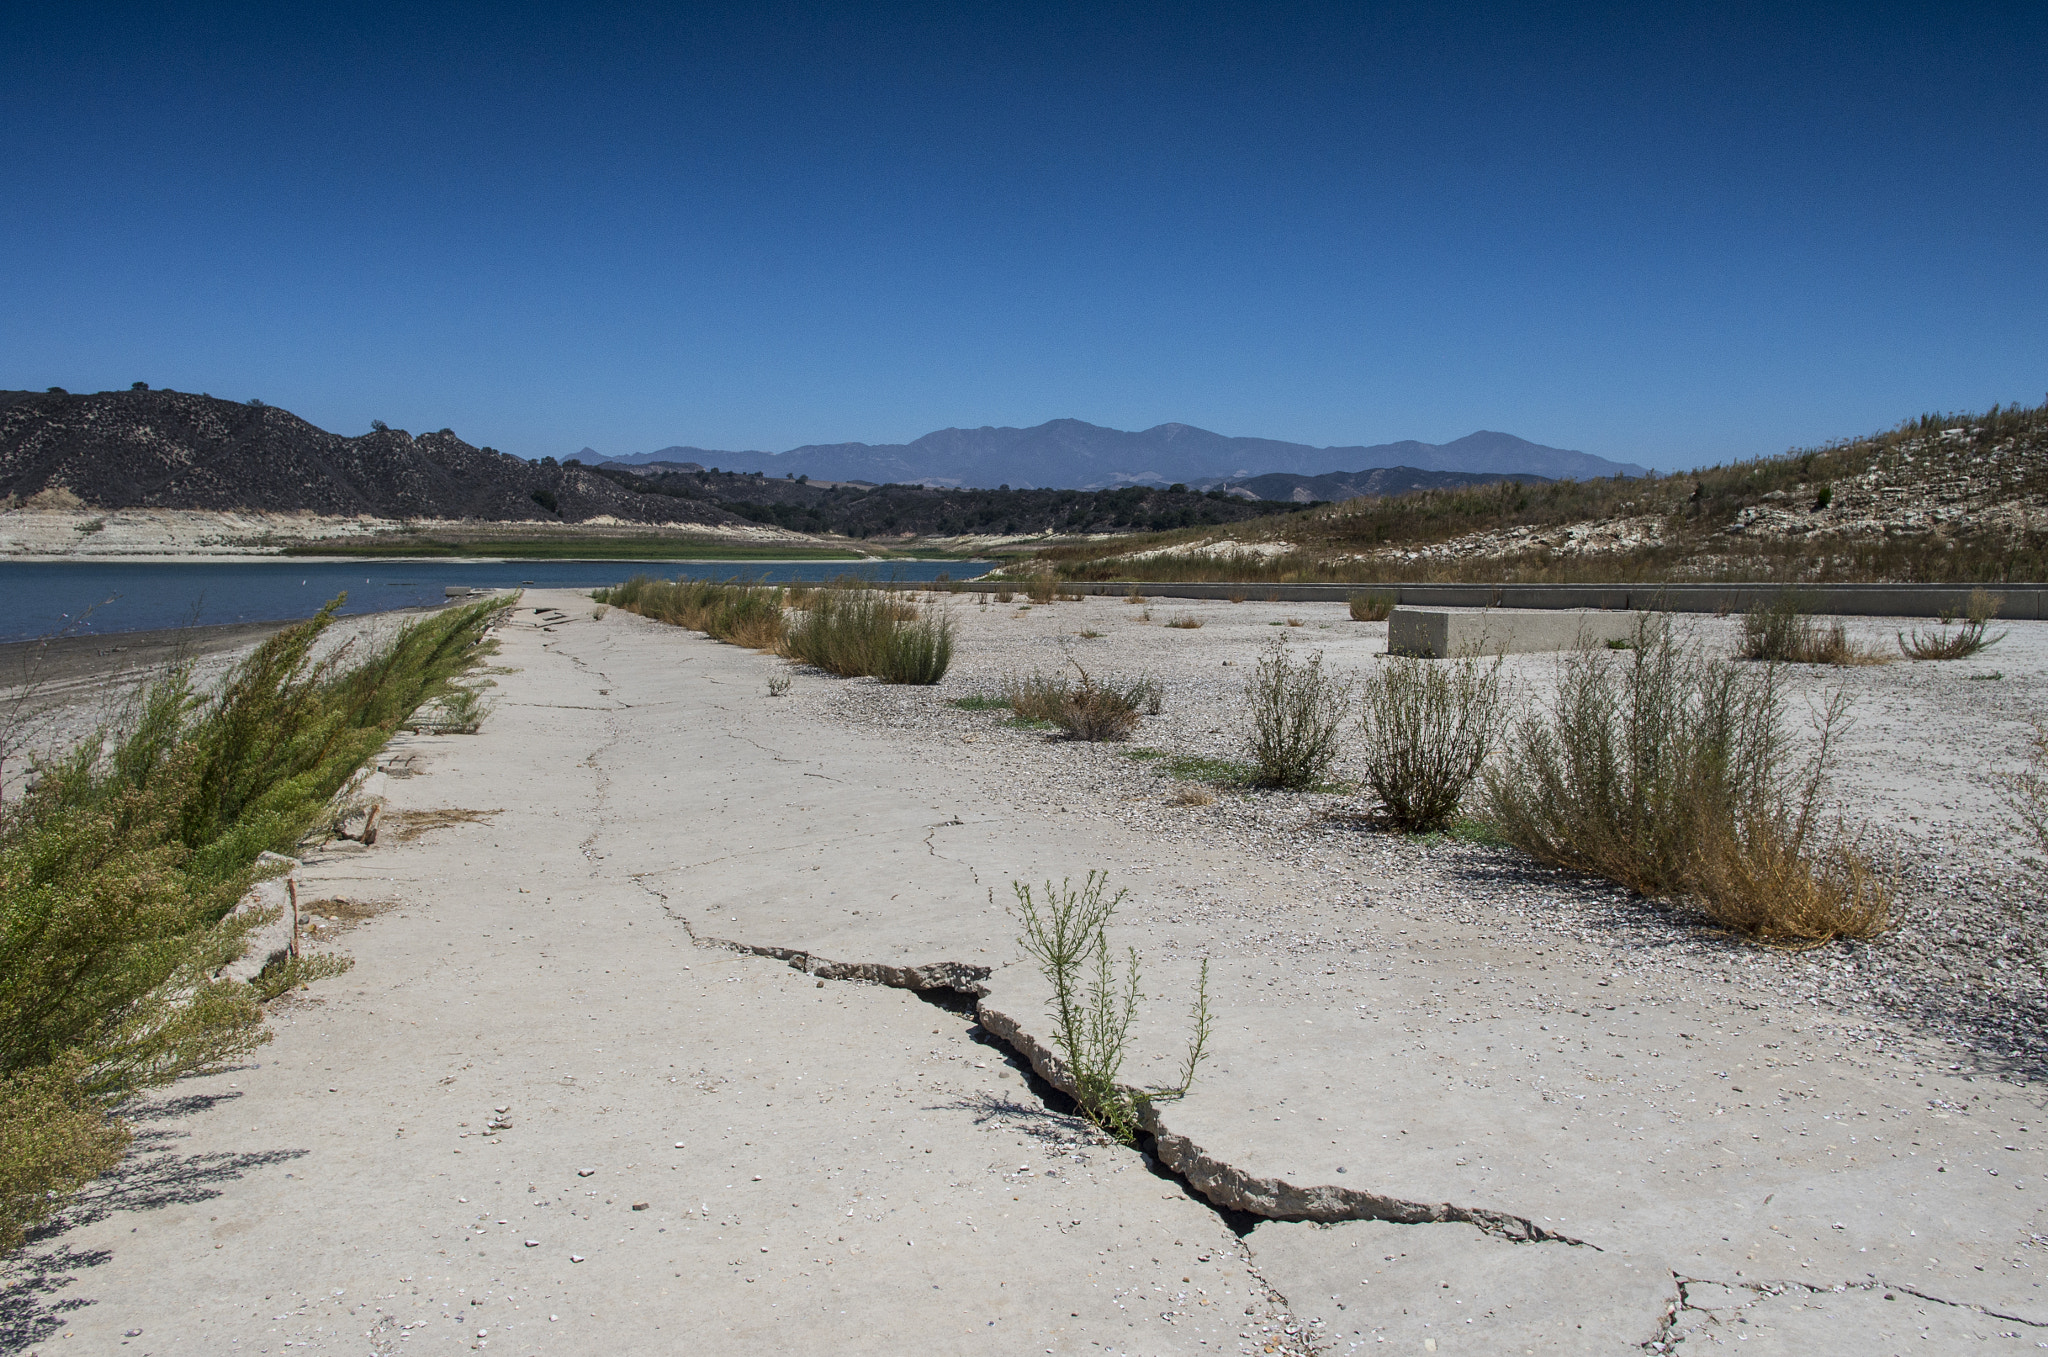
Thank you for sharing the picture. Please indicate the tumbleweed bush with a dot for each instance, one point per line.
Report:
(1429, 726)
(1672, 773)
(1297, 717)
(1966, 640)
(1782, 631)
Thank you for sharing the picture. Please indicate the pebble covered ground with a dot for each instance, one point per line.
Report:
(1962, 976)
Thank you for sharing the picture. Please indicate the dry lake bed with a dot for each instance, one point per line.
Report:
(615, 1071)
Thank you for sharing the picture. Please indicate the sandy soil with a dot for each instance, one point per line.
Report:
(1455, 1104)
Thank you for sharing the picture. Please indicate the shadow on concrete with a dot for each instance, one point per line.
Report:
(151, 1177)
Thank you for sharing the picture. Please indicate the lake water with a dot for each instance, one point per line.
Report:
(43, 598)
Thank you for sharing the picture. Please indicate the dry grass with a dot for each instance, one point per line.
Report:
(1184, 621)
(1371, 607)
(1782, 632)
(326, 919)
(1192, 796)
(1761, 878)
(408, 825)
(1087, 710)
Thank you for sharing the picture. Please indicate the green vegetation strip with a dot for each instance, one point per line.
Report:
(571, 549)
(120, 875)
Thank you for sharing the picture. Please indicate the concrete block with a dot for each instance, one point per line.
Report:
(1437, 633)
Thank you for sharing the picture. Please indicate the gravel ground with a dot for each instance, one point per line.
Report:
(1961, 980)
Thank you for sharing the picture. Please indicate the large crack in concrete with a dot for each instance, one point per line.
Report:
(1225, 1187)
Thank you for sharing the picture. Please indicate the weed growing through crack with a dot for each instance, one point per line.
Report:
(1067, 934)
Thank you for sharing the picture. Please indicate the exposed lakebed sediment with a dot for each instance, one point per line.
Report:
(1424, 1033)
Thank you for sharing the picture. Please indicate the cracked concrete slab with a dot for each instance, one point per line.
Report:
(1370, 1060)
(1456, 1289)
(1874, 1319)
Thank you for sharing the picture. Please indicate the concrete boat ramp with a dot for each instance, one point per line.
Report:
(688, 1019)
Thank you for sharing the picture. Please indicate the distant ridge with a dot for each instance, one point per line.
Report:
(147, 449)
(1073, 454)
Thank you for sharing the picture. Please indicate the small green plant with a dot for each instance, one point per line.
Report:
(1429, 725)
(778, 685)
(980, 702)
(1296, 718)
(91, 526)
(1184, 621)
(1371, 607)
(1067, 934)
(1824, 498)
(1967, 640)
(1205, 768)
(1620, 643)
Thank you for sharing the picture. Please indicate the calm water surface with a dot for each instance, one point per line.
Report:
(43, 598)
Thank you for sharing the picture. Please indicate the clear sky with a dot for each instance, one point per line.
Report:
(1659, 233)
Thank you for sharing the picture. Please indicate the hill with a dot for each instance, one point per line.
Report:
(143, 449)
(1371, 482)
(1073, 454)
(872, 511)
(1960, 497)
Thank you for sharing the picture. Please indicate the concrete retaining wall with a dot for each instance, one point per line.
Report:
(2017, 602)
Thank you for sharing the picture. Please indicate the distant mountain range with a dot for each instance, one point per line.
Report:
(1073, 454)
(173, 450)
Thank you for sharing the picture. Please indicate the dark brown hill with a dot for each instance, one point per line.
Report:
(173, 450)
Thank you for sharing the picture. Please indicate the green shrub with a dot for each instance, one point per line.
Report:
(1671, 773)
(749, 615)
(1371, 607)
(1429, 725)
(1087, 710)
(1067, 934)
(1297, 713)
(56, 1140)
(855, 631)
(120, 874)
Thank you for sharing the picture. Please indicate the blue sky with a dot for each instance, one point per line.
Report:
(1662, 234)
